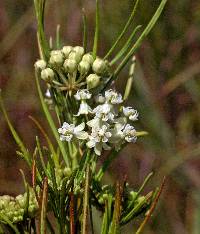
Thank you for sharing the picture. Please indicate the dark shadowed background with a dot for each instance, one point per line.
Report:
(166, 92)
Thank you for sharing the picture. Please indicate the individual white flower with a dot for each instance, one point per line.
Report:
(82, 94)
(84, 108)
(99, 138)
(113, 97)
(104, 112)
(121, 133)
(129, 133)
(131, 113)
(68, 131)
(95, 122)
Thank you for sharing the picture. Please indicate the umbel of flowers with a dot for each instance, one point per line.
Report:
(109, 123)
(71, 69)
(16, 208)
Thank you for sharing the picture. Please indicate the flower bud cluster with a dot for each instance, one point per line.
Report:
(109, 123)
(13, 208)
(132, 202)
(73, 61)
(60, 174)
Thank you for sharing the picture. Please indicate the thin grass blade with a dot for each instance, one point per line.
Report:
(96, 35)
(124, 30)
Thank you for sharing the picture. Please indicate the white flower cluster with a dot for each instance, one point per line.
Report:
(109, 122)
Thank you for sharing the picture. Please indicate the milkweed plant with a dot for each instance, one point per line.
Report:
(88, 118)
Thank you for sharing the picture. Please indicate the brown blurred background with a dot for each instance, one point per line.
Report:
(166, 92)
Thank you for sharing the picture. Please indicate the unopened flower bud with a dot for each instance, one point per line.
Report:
(105, 196)
(89, 58)
(79, 50)
(66, 50)
(54, 52)
(75, 56)
(83, 67)
(40, 65)
(101, 200)
(56, 58)
(67, 171)
(133, 195)
(70, 65)
(92, 81)
(47, 74)
(99, 66)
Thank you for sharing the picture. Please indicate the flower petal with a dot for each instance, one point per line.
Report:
(82, 135)
(79, 128)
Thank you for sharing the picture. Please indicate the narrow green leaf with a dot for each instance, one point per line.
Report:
(132, 203)
(58, 44)
(42, 42)
(126, 47)
(52, 174)
(51, 123)
(123, 31)
(114, 228)
(85, 202)
(43, 214)
(41, 157)
(107, 215)
(51, 147)
(133, 212)
(140, 40)
(84, 30)
(153, 206)
(18, 140)
(130, 79)
(96, 36)
(27, 194)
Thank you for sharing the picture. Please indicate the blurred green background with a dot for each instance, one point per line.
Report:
(166, 92)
